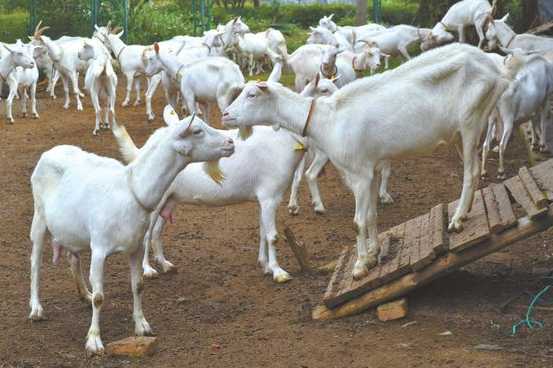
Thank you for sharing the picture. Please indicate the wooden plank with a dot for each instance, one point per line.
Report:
(425, 254)
(508, 218)
(532, 188)
(476, 227)
(521, 196)
(404, 255)
(412, 236)
(438, 229)
(543, 174)
(344, 283)
(492, 209)
(336, 278)
(298, 249)
(391, 270)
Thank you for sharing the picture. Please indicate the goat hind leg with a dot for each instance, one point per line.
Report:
(94, 343)
(293, 205)
(385, 172)
(38, 234)
(130, 78)
(268, 209)
(76, 270)
(141, 326)
(311, 177)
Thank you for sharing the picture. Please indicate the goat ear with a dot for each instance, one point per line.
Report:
(187, 124)
(504, 19)
(330, 16)
(120, 34)
(7, 48)
(263, 86)
(96, 27)
(156, 48)
(170, 116)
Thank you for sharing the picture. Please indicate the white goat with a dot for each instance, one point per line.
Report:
(308, 60)
(461, 15)
(91, 202)
(258, 47)
(396, 40)
(451, 90)
(317, 88)
(100, 81)
(19, 71)
(206, 80)
(500, 34)
(526, 98)
(64, 55)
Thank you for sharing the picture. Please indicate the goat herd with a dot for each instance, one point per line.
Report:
(85, 201)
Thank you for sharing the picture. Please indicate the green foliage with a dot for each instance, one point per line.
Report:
(152, 23)
(14, 26)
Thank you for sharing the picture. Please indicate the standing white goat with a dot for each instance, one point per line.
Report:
(64, 55)
(19, 71)
(259, 47)
(206, 80)
(500, 34)
(100, 81)
(317, 88)
(461, 15)
(448, 91)
(91, 202)
(527, 97)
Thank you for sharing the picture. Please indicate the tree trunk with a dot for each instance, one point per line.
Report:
(256, 3)
(530, 13)
(362, 12)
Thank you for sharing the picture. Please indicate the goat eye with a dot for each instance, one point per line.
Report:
(197, 131)
(251, 95)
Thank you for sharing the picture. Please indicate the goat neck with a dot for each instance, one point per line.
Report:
(504, 33)
(54, 50)
(116, 45)
(153, 171)
(170, 64)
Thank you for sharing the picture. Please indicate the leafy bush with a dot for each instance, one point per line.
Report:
(14, 26)
(152, 23)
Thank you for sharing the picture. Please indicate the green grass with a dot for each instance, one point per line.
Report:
(13, 26)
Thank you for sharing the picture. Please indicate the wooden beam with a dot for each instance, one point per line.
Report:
(299, 250)
(443, 265)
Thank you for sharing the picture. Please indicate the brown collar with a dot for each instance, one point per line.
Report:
(334, 72)
(120, 51)
(309, 115)
(510, 41)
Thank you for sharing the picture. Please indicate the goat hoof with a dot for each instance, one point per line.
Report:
(11, 121)
(54, 97)
(386, 198)
(95, 131)
(35, 116)
(125, 104)
(142, 328)
(24, 115)
(37, 314)
(501, 176)
(281, 276)
(319, 210)
(151, 118)
(136, 103)
(455, 226)
(94, 345)
(293, 210)
(168, 267)
(66, 107)
(150, 273)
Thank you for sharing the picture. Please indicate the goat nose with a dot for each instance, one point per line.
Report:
(225, 113)
(229, 141)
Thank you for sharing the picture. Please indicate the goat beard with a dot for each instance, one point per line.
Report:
(213, 170)
(245, 132)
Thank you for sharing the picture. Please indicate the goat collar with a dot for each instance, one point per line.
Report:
(309, 115)
(510, 41)
(135, 196)
(326, 75)
(120, 51)
(353, 65)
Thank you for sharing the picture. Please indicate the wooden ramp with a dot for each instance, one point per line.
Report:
(421, 249)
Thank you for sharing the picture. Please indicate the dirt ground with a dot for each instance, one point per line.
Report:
(220, 311)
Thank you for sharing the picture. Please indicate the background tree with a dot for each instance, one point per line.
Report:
(362, 12)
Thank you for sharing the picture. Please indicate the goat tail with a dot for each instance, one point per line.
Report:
(128, 149)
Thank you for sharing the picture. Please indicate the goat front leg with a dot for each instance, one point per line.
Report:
(141, 326)
(23, 102)
(487, 145)
(97, 110)
(385, 172)
(137, 84)
(461, 30)
(65, 83)
(293, 205)
(152, 87)
(130, 78)
(53, 82)
(77, 272)
(268, 209)
(94, 343)
(362, 191)
(76, 91)
(470, 180)
(544, 117)
(34, 112)
(403, 50)
(9, 100)
(311, 177)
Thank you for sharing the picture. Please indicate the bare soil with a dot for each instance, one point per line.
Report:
(220, 311)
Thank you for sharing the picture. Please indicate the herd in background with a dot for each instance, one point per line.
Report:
(334, 113)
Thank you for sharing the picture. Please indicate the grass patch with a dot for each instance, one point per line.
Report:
(13, 26)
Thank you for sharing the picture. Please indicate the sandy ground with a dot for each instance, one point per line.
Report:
(220, 311)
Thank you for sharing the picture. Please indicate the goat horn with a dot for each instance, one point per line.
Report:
(108, 26)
